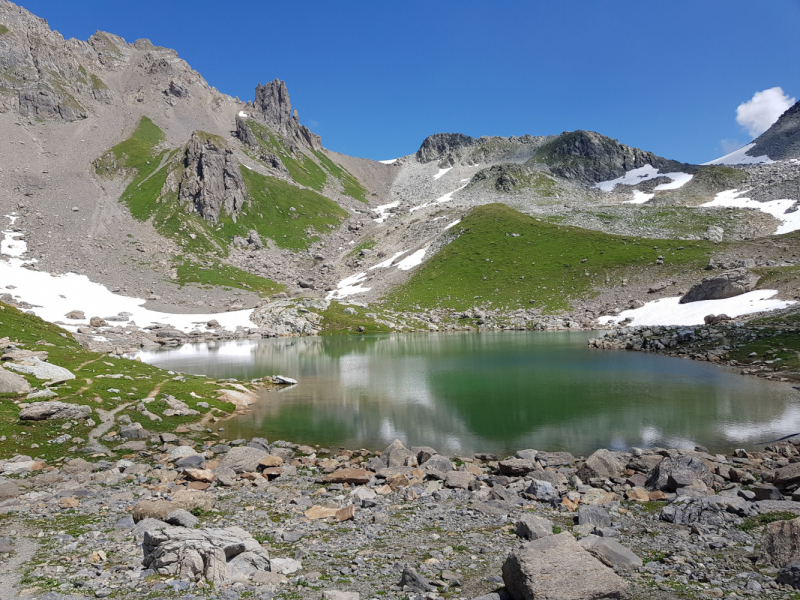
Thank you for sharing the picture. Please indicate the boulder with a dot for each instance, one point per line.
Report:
(517, 467)
(458, 479)
(596, 516)
(412, 581)
(76, 315)
(181, 518)
(185, 499)
(439, 463)
(610, 552)
(40, 411)
(725, 285)
(397, 455)
(216, 555)
(781, 542)
(242, 459)
(788, 475)
(556, 566)
(603, 464)
(531, 527)
(683, 471)
(134, 431)
(544, 491)
(688, 510)
(11, 383)
(789, 575)
(351, 476)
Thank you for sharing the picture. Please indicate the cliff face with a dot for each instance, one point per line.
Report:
(273, 106)
(211, 182)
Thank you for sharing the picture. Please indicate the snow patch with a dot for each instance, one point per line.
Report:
(242, 114)
(740, 157)
(639, 198)
(777, 208)
(349, 286)
(383, 211)
(669, 311)
(409, 262)
(441, 172)
(453, 224)
(54, 296)
(391, 161)
(388, 262)
(446, 198)
(645, 173)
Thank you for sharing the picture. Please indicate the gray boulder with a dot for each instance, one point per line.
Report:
(601, 463)
(780, 542)
(197, 554)
(542, 490)
(414, 582)
(531, 527)
(517, 467)
(397, 455)
(11, 383)
(182, 518)
(674, 473)
(439, 463)
(134, 431)
(689, 510)
(40, 411)
(725, 285)
(594, 515)
(242, 459)
(556, 566)
(610, 552)
(790, 575)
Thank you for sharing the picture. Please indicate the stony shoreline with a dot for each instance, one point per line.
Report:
(150, 518)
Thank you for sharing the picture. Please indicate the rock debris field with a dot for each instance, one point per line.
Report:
(183, 517)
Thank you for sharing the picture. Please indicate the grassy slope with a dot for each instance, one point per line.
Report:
(87, 389)
(304, 170)
(542, 264)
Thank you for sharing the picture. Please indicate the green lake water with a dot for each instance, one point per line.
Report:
(489, 392)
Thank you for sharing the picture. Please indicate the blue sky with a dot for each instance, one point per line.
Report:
(375, 78)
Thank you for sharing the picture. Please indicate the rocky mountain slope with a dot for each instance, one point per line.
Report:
(120, 162)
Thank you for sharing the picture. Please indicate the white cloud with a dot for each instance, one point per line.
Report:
(762, 110)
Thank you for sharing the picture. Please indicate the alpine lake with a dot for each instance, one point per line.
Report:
(491, 392)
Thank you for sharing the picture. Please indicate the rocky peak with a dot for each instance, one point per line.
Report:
(592, 157)
(211, 182)
(273, 105)
(446, 148)
(782, 140)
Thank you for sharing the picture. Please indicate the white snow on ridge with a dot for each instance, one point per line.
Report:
(645, 173)
(639, 198)
(446, 198)
(349, 286)
(242, 114)
(453, 224)
(411, 261)
(790, 221)
(669, 311)
(388, 262)
(739, 157)
(383, 211)
(391, 161)
(441, 172)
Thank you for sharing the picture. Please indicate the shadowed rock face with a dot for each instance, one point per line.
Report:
(447, 148)
(725, 285)
(782, 140)
(273, 104)
(211, 181)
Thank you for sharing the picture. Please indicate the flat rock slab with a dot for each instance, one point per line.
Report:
(610, 552)
(41, 370)
(184, 499)
(11, 383)
(243, 459)
(557, 567)
(351, 476)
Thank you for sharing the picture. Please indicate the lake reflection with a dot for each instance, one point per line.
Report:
(491, 392)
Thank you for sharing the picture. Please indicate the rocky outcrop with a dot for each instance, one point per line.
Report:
(782, 140)
(219, 556)
(247, 137)
(211, 183)
(592, 157)
(725, 285)
(290, 317)
(446, 148)
(781, 542)
(272, 104)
